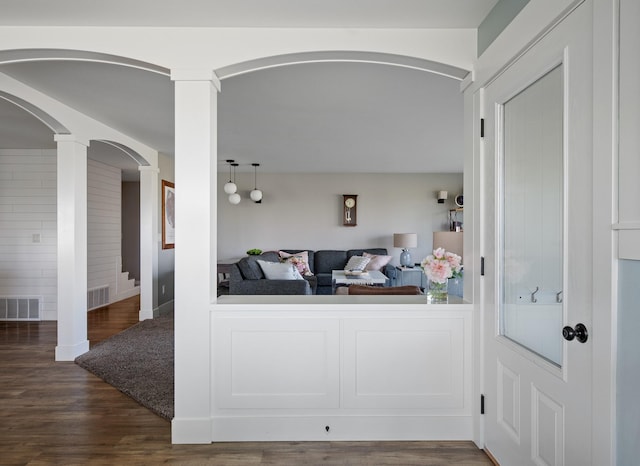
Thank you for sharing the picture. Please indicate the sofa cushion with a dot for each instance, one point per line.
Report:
(279, 271)
(376, 262)
(360, 252)
(328, 260)
(357, 263)
(249, 267)
(310, 256)
(300, 261)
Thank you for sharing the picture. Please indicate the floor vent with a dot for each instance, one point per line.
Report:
(19, 308)
(97, 297)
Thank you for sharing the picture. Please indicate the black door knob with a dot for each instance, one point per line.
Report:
(580, 333)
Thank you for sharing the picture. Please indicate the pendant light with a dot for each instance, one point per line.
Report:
(256, 194)
(230, 187)
(234, 197)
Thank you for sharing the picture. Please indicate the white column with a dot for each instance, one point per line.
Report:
(149, 195)
(195, 165)
(72, 248)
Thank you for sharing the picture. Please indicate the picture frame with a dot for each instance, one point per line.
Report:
(168, 215)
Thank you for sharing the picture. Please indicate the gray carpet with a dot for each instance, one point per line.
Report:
(139, 363)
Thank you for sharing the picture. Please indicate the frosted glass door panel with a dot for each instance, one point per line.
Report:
(532, 217)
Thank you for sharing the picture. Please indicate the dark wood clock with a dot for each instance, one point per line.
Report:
(349, 210)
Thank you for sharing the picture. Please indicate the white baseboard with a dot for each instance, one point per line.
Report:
(190, 430)
(341, 428)
(71, 352)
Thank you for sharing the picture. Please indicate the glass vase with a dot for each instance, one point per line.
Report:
(437, 292)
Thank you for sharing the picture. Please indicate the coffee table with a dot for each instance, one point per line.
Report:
(372, 277)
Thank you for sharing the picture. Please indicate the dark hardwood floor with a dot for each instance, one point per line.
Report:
(56, 413)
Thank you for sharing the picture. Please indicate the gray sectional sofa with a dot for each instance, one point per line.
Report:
(246, 276)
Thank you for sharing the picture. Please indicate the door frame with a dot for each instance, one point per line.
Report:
(605, 16)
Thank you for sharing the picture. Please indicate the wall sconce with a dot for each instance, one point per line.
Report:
(256, 194)
(234, 197)
(405, 241)
(442, 196)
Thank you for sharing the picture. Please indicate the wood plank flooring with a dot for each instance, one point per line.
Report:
(56, 413)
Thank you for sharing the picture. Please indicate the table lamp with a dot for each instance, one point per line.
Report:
(405, 241)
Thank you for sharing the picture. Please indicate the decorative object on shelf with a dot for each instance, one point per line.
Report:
(234, 198)
(439, 267)
(230, 187)
(455, 222)
(256, 194)
(405, 241)
(168, 215)
(442, 196)
(349, 210)
(459, 200)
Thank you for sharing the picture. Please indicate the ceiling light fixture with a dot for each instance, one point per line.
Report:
(256, 194)
(230, 187)
(234, 197)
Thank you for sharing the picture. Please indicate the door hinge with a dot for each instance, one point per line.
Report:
(481, 404)
(481, 127)
(482, 266)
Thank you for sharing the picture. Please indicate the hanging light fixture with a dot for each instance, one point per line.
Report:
(234, 197)
(230, 187)
(256, 194)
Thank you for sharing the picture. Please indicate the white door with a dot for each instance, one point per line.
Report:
(537, 246)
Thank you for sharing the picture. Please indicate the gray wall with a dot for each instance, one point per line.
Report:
(303, 210)
(628, 369)
(131, 228)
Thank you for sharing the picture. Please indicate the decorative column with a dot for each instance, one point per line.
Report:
(72, 247)
(195, 263)
(148, 241)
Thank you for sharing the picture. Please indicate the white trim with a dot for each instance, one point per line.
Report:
(341, 428)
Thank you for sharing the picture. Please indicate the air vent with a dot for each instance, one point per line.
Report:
(23, 308)
(97, 297)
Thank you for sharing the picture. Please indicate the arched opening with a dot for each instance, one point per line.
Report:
(41, 74)
(324, 124)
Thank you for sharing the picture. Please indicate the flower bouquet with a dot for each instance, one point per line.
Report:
(439, 267)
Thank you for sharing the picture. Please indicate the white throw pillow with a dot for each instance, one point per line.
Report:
(376, 262)
(279, 270)
(357, 263)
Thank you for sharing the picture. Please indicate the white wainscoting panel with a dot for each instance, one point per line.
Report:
(286, 372)
(277, 364)
(403, 363)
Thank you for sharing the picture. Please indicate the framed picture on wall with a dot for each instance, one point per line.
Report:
(168, 215)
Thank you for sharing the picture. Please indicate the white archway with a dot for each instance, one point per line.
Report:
(72, 133)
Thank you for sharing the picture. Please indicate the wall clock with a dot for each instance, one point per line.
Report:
(459, 200)
(349, 210)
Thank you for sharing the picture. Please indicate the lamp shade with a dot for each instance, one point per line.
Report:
(450, 241)
(405, 240)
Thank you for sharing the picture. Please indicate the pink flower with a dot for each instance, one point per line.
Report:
(441, 266)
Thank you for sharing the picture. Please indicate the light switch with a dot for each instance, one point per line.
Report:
(36, 238)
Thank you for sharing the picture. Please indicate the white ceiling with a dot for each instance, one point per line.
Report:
(248, 13)
(323, 117)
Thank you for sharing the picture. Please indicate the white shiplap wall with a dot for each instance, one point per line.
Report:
(104, 233)
(28, 267)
